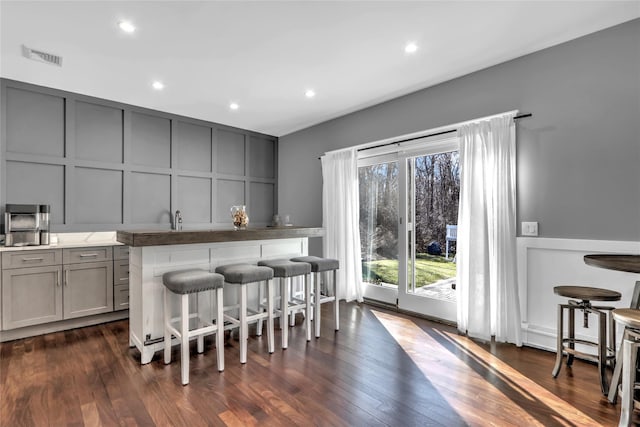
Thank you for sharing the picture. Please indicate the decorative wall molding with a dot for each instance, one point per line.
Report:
(545, 262)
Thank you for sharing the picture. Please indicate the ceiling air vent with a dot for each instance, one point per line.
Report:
(38, 55)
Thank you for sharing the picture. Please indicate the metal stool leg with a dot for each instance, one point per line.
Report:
(630, 357)
(559, 344)
(572, 333)
(602, 352)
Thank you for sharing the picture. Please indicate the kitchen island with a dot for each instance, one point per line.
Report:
(154, 253)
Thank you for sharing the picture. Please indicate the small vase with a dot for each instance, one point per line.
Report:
(239, 217)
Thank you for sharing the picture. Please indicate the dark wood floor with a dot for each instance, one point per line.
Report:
(380, 369)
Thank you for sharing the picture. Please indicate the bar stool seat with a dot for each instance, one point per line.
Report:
(285, 270)
(629, 318)
(318, 267)
(605, 353)
(242, 275)
(184, 283)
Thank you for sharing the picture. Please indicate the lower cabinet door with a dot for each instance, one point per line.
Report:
(88, 289)
(31, 296)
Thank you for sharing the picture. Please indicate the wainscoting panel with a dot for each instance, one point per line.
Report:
(544, 263)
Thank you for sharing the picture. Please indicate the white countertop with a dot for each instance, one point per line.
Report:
(71, 240)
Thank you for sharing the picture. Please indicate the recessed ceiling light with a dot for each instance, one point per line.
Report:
(234, 106)
(411, 48)
(157, 85)
(310, 93)
(126, 26)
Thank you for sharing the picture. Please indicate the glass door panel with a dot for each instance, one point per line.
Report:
(379, 190)
(433, 187)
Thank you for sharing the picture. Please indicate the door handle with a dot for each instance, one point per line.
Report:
(66, 277)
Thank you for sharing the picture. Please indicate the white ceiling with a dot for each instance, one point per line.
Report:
(265, 54)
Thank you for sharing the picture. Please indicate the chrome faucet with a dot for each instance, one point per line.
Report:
(177, 221)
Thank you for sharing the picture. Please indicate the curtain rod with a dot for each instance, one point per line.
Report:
(521, 116)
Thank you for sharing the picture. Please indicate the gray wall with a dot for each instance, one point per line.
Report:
(103, 165)
(578, 156)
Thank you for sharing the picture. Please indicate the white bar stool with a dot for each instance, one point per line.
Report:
(318, 267)
(241, 275)
(284, 270)
(183, 283)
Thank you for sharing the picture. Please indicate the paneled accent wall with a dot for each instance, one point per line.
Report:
(103, 165)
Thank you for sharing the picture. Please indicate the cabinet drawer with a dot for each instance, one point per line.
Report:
(121, 272)
(120, 297)
(121, 252)
(95, 254)
(20, 259)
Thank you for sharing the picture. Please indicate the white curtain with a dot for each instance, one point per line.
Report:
(340, 215)
(487, 288)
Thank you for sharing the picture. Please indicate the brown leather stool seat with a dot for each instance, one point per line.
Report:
(566, 345)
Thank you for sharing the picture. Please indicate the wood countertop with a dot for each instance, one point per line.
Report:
(186, 237)
(629, 263)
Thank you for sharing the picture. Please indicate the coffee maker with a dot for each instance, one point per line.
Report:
(26, 225)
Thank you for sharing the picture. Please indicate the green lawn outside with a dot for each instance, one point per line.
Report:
(429, 269)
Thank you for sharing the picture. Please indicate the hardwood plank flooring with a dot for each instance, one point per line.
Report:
(381, 369)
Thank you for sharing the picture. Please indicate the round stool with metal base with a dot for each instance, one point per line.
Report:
(183, 283)
(605, 353)
(630, 319)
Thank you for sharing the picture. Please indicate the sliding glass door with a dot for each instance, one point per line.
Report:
(432, 193)
(408, 225)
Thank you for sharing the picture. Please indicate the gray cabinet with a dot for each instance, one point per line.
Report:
(31, 296)
(120, 278)
(42, 286)
(88, 281)
(31, 288)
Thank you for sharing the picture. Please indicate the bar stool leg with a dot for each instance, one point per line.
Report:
(316, 303)
(602, 352)
(184, 344)
(284, 310)
(617, 371)
(572, 333)
(200, 338)
(167, 332)
(307, 299)
(291, 316)
(244, 333)
(336, 305)
(630, 356)
(559, 345)
(260, 298)
(270, 337)
(220, 328)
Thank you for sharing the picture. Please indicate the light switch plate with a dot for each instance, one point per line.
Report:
(529, 228)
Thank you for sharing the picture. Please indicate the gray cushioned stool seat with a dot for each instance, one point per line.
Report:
(319, 264)
(244, 273)
(191, 280)
(286, 268)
